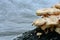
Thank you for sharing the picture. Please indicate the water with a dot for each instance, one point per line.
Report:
(16, 16)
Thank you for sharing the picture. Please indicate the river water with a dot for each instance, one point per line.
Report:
(16, 16)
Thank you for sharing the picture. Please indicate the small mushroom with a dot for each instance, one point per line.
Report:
(38, 34)
(39, 22)
(57, 6)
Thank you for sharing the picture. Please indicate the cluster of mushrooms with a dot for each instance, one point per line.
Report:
(50, 18)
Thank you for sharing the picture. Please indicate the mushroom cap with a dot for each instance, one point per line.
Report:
(52, 20)
(57, 6)
(39, 22)
(47, 21)
(47, 12)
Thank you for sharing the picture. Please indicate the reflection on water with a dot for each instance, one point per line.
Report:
(16, 16)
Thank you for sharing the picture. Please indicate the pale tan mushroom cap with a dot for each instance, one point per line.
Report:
(57, 6)
(39, 22)
(48, 11)
(51, 20)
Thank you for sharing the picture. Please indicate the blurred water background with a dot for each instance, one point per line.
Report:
(16, 16)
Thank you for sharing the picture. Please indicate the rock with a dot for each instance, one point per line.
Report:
(31, 35)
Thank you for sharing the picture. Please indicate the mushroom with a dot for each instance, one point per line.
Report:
(46, 22)
(47, 12)
(50, 19)
(39, 22)
(57, 6)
